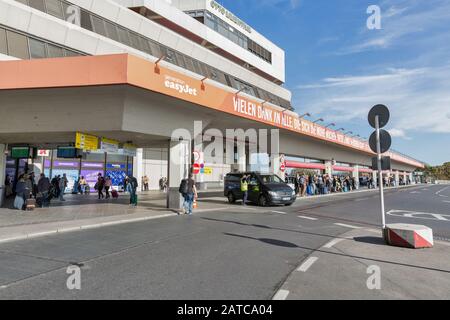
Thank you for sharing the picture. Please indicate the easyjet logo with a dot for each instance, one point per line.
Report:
(180, 86)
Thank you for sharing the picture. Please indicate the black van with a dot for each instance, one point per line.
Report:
(263, 189)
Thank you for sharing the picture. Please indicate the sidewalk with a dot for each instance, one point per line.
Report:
(339, 270)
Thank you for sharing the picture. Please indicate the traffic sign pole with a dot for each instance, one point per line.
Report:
(380, 172)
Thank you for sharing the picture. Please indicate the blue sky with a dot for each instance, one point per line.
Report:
(338, 69)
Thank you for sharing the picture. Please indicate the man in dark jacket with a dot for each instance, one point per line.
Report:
(43, 188)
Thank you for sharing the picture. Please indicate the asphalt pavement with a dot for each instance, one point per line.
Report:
(232, 252)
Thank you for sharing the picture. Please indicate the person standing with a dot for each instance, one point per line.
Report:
(145, 181)
(190, 195)
(62, 187)
(83, 184)
(131, 187)
(244, 189)
(99, 186)
(108, 186)
(21, 193)
(43, 188)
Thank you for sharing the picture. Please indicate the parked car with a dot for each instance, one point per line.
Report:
(263, 189)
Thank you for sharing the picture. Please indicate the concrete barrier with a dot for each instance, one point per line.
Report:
(409, 236)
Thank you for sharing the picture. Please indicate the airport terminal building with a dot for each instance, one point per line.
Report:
(90, 87)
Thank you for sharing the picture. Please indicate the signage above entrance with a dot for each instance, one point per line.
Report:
(86, 142)
(110, 146)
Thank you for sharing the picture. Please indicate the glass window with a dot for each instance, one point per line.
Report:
(37, 49)
(17, 45)
(86, 22)
(111, 31)
(155, 49)
(180, 60)
(123, 36)
(170, 56)
(189, 63)
(3, 45)
(70, 53)
(38, 4)
(54, 51)
(99, 25)
(54, 8)
(143, 43)
(135, 41)
(197, 67)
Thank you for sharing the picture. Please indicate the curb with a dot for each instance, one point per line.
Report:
(82, 227)
(353, 192)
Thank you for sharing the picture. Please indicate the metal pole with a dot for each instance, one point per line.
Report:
(380, 172)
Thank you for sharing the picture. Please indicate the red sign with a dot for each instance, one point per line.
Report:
(196, 168)
(283, 167)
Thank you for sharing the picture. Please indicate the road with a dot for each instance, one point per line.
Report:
(231, 253)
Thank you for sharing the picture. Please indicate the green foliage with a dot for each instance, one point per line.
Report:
(438, 172)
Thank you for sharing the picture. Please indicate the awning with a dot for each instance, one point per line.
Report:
(305, 165)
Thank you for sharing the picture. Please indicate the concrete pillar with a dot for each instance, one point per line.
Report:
(179, 165)
(411, 177)
(275, 167)
(2, 172)
(375, 178)
(138, 167)
(355, 174)
(329, 168)
(397, 178)
(242, 157)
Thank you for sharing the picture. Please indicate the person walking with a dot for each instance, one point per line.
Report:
(21, 193)
(108, 186)
(189, 193)
(131, 188)
(43, 188)
(99, 186)
(62, 187)
(244, 189)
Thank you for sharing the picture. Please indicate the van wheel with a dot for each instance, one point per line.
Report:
(263, 201)
(231, 198)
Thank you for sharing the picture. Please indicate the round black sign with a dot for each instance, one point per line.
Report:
(383, 114)
(385, 141)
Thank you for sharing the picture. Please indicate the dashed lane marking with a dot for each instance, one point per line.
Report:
(280, 212)
(307, 264)
(363, 199)
(333, 242)
(347, 226)
(281, 295)
(441, 195)
(308, 218)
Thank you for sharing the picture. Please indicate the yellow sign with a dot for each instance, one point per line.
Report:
(86, 142)
(208, 171)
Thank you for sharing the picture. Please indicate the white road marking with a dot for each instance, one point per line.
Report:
(446, 201)
(281, 295)
(280, 212)
(307, 218)
(333, 242)
(414, 192)
(419, 215)
(347, 226)
(307, 264)
(3, 287)
(441, 195)
(363, 199)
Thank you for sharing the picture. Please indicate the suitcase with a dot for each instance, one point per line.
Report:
(114, 194)
(30, 204)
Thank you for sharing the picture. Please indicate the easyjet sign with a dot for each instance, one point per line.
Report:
(179, 85)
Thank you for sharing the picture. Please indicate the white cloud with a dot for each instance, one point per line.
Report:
(401, 21)
(419, 99)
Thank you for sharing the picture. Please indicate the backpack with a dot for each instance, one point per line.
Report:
(183, 186)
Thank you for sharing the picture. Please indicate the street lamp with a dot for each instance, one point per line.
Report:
(305, 115)
(331, 125)
(319, 120)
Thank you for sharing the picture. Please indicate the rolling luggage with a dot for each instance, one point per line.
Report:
(114, 194)
(30, 204)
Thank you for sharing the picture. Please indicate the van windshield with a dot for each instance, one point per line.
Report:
(266, 179)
